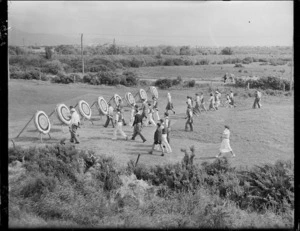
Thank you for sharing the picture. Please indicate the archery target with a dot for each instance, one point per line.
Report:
(143, 94)
(102, 105)
(130, 99)
(42, 122)
(154, 92)
(116, 98)
(63, 113)
(84, 109)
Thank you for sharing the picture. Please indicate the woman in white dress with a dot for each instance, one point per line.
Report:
(170, 104)
(225, 145)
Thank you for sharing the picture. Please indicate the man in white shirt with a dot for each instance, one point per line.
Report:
(74, 124)
(110, 116)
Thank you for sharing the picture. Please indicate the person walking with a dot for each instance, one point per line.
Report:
(189, 101)
(197, 106)
(257, 99)
(202, 102)
(120, 106)
(189, 118)
(155, 107)
(132, 114)
(217, 99)
(225, 145)
(150, 116)
(119, 125)
(144, 110)
(167, 124)
(211, 102)
(165, 142)
(110, 116)
(137, 124)
(170, 106)
(157, 139)
(228, 101)
(74, 125)
(231, 95)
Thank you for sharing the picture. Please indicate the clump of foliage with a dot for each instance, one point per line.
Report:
(227, 51)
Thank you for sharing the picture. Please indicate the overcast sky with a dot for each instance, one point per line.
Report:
(208, 23)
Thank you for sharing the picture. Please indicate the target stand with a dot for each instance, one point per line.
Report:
(130, 99)
(153, 91)
(63, 115)
(142, 95)
(42, 124)
(84, 110)
(101, 105)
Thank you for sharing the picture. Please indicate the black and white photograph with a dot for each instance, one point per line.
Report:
(151, 114)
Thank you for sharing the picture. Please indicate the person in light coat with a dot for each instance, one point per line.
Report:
(110, 116)
(155, 108)
(150, 116)
(189, 118)
(225, 145)
(169, 106)
(257, 99)
(74, 125)
(202, 102)
(165, 142)
(119, 125)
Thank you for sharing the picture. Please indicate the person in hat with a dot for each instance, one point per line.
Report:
(110, 116)
(155, 107)
(169, 106)
(119, 125)
(157, 139)
(137, 124)
(189, 101)
(74, 125)
(225, 145)
(257, 99)
(211, 102)
(189, 118)
(202, 102)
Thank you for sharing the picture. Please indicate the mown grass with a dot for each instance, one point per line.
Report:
(50, 189)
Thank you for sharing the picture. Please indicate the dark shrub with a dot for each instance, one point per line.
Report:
(169, 62)
(203, 62)
(53, 67)
(136, 63)
(190, 83)
(62, 78)
(238, 65)
(163, 83)
(227, 51)
(48, 52)
(131, 78)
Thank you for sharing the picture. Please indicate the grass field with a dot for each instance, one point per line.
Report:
(212, 72)
(257, 136)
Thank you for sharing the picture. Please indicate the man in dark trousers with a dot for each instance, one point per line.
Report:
(144, 109)
(158, 139)
(137, 124)
(110, 116)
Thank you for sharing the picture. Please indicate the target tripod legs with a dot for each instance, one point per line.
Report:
(25, 126)
(49, 136)
(41, 136)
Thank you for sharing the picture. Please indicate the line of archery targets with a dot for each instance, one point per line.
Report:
(42, 121)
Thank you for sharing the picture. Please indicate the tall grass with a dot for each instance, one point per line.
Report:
(59, 185)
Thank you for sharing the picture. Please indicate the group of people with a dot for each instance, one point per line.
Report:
(143, 116)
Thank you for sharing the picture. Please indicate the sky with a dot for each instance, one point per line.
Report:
(194, 23)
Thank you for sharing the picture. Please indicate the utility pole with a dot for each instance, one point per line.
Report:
(82, 55)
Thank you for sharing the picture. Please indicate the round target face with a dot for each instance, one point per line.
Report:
(63, 113)
(130, 99)
(102, 105)
(154, 92)
(84, 109)
(42, 122)
(117, 98)
(143, 94)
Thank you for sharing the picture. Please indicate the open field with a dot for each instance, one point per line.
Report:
(213, 72)
(257, 136)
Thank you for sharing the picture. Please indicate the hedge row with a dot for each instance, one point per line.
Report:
(264, 83)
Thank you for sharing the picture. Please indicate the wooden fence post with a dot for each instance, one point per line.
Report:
(284, 87)
(248, 86)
